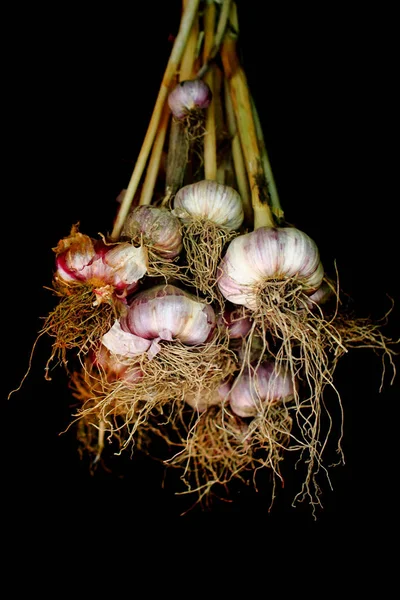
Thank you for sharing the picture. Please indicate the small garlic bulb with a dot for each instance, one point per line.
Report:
(108, 268)
(202, 400)
(165, 312)
(161, 230)
(210, 200)
(236, 322)
(253, 390)
(189, 96)
(266, 254)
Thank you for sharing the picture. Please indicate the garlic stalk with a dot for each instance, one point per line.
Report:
(268, 254)
(255, 388)
(165, 312)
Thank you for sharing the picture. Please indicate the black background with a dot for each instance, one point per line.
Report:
(80, 86)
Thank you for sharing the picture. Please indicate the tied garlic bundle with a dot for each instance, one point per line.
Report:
(204, 318)
(211, 213)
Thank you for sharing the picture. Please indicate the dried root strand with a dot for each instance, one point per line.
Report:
(204, 242)
(214, 451)
(77, 322)
(175, 371)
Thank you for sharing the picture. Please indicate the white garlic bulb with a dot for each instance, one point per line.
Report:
(166, 312)
(268, 253)
(210, 200)
(253, 390)
(161, 230)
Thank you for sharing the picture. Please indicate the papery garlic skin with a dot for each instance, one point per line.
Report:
(189, 96)
(210, 200)
(115, 367)
(125, 344)
(268, 253)
(108, 268)
(201, 400)
(159, 227)
(165, 312)
(263, 385)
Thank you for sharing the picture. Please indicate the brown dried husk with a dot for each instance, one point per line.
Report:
(173, 372)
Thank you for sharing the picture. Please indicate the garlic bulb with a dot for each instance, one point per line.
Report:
(165, 312)
(263, 385)
(236, 322)
(189, 96)
(161, 230)
(108, 268)
(267, 254)
(210, 200)
(202, 400)
(123, 343)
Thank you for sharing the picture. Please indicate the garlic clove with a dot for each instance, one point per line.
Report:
(210, 200)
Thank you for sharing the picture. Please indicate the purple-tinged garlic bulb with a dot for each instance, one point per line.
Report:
(159, 228)
(165, 312)
(189, 96)
(265, 255)
(259, 386)
(236, 322)
(109, 269)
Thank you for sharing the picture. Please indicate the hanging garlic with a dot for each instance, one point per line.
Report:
(165, 312)
(109, 269)
(202, 399)
(209, 200)
(160, 229)
(189, 96)
(268, 254)
(262, 385)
